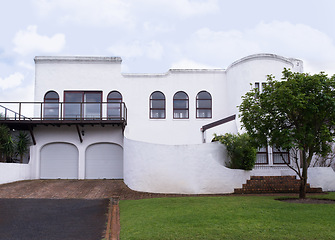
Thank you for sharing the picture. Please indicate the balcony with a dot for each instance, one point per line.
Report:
(26, 115)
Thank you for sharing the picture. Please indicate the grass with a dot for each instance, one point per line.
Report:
(227, 217)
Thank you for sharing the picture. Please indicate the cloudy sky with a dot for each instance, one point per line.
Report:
(152, 36)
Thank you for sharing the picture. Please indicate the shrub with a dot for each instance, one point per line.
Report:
(240, 148)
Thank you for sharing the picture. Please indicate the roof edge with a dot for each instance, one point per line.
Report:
(263, 56)
(77, 59)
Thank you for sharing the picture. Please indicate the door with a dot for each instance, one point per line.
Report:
(104, 160)
(59, 160)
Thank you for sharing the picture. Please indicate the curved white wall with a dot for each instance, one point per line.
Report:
(189, 169)
(196, 169)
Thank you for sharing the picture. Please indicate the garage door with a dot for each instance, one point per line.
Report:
(59, 160)
(104, 160)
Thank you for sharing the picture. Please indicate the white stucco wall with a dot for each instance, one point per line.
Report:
(196, 169)
(68, 134)
(11, 172)
(104, 74)
(189, 169)
(322, 177)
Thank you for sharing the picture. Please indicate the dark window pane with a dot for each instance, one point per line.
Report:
(157, 95)
(180, 95)
(51, 94)
(204, 103)
(114, 95)
(180, 104)
(204, 95)
(157, 103)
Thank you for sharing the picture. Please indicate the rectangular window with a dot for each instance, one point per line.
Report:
(257, 85)
(157, 108)
(280, 156)
(262, 156)
(82, 104)
(263, 86)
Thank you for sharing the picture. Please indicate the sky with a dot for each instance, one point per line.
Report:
(152, 36)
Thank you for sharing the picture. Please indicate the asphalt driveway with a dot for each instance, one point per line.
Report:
(61, 209)
(51, 219)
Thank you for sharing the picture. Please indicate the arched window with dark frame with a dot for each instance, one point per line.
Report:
(157, 105)
(51, 105)
(204, 105)
(114, 100)
(180, 106)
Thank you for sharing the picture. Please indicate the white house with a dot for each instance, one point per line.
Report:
(154, 131)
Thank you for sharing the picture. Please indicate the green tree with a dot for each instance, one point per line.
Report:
(4, 138)
(22, 144)
(296, 113)
(240, 148)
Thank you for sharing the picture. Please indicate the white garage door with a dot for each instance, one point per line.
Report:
(104, 160)
(59, 160)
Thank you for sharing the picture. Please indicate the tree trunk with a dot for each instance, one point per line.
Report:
(303, 178)
(302, 190)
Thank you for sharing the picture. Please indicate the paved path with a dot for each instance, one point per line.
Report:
(77, 189)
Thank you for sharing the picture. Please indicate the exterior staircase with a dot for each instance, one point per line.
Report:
(273, 184)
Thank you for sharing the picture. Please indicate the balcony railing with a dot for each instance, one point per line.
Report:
(63, 112)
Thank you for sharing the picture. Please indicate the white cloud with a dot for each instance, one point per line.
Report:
(186, 8)
(26, 65)
(29, 41)
(221, 47)
(11, 81)
(300, 41)
(151, 50)
(102, 12)
(296, 40)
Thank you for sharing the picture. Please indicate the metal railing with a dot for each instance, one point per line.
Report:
(63, 111)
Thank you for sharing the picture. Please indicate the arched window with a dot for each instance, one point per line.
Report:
(180, 105)
(157, 105)
(51, 105)
(204, 105)
(114, 100)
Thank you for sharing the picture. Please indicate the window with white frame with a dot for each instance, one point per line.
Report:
(180, 106)
(204, 105)
(82, 104)
(280, 156)
(157, 105)
(51, 105)
(114, 101)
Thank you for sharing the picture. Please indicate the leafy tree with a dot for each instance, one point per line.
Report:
(22, 144)
(9, 148)
(240, 148)
(297, 113)
(4, 137)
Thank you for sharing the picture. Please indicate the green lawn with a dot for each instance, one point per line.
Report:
(227, 217)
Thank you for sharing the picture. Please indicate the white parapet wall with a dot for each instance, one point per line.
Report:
(186, 169)
(196, 169)
(12, 172)
(323, 177)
